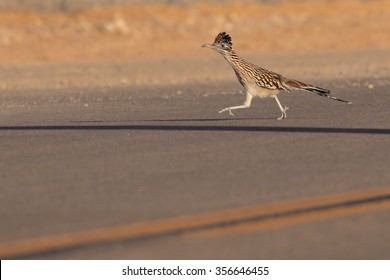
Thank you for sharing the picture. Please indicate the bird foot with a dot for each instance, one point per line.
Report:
(226, 109)
(284, 114)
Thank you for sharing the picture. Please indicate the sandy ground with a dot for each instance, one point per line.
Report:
(360, 68)
(159, 30)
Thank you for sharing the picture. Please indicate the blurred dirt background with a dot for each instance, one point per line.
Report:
(70, 30)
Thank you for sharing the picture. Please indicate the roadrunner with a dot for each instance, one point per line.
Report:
(258, 81)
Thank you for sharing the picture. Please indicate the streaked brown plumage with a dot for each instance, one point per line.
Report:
(258, 81)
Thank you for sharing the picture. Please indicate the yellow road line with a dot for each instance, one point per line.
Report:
(245, 218)
(287, 220)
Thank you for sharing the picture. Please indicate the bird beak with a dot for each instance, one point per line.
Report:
(210, 46)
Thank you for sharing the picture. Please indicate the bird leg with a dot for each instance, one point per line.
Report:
(284, 115)
(246, 105)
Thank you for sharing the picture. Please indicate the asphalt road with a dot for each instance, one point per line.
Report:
(73, 160)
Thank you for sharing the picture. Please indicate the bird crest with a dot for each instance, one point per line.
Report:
(224, 40)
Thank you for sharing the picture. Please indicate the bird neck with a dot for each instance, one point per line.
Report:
(233, 59)
(237, 63)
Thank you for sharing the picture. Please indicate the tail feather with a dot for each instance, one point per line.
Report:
(320, 91)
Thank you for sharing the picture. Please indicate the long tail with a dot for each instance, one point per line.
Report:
(320, 91)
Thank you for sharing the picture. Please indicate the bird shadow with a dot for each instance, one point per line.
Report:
(97, 125)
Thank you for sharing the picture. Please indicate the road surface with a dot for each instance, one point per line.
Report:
(93, 159)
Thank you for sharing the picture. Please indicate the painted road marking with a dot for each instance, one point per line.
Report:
(231, 220)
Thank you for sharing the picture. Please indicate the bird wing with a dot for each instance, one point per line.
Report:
(268, 79)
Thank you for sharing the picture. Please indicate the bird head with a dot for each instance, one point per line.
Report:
(223, 43)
